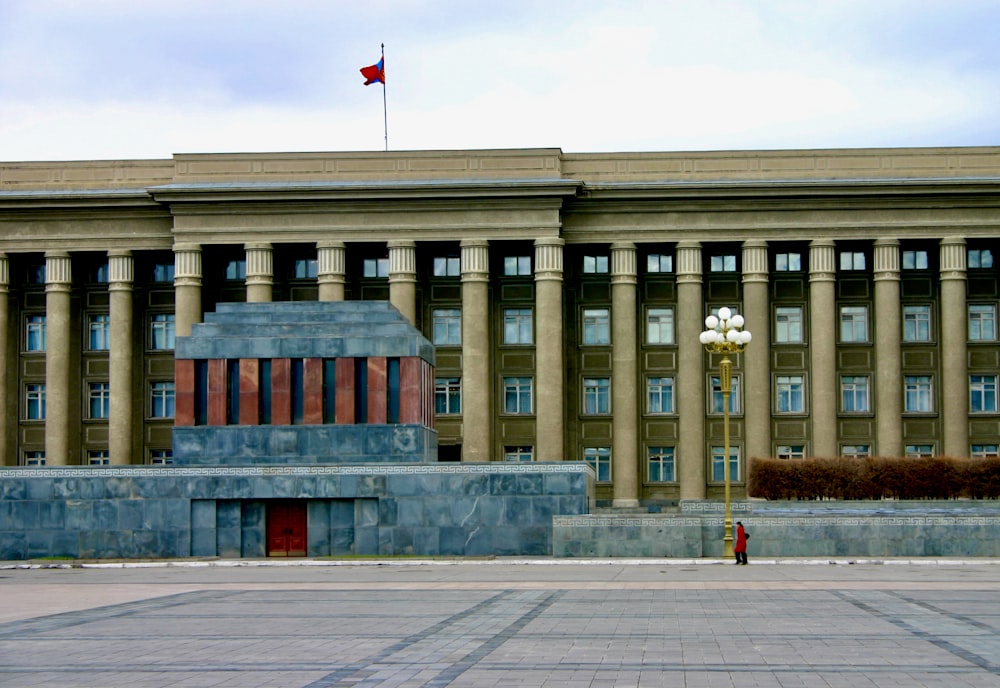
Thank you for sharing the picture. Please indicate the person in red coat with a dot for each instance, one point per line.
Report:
(740, 548)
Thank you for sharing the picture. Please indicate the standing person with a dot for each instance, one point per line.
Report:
(740, 550)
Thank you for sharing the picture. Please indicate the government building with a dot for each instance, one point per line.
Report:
(564, 295)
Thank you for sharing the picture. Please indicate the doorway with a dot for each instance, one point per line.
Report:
(286, 528)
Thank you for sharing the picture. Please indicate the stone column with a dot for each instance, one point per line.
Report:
(120, 269)
(625, 453)
(58, 282)
(954, 349)
(403, 278)
(823, 347)
(477, 390)
(888, 357)
(7, 420)
(331, 259)
(187, 287)
(757, 356)
(260, 272)
(550, 429)
(690, 372)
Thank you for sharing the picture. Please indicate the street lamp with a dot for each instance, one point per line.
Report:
(724, 334)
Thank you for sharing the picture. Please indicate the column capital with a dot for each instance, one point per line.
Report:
(121, 270)
(402, 261)
(58, 271)
(822, 260)
(755, 261)
(549, 259)
(4, 273)
(187, 265)
(624, 266)
(260, 263)
(475, 260)
(954, 259)
(886, 260)
(689, 262)
(331, 262)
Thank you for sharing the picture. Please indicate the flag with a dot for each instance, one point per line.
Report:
(374, 73)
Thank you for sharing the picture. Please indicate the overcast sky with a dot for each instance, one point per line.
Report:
(110, 79)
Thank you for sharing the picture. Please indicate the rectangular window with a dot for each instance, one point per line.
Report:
(98, 457)
(914, 260)
(236, 270)
(982, 322)
(517, 326)
(660, 395)
(161, 457)
(306, 268)
(34, 458)
(265, 391)
(517, 395)
(980, 258)
(660, 466)
(788, 262)
(717, 398)
(917, 394)
(447, 395)
(597, 395)
(100, 332)
(34, 402)
(719, 466)
(596, 326)
(514, 266)
(852, 260)
(853, 324)
(447, 324)
(788, 324)
(517, 454)
(162, 399)
(919, 451)
(162, 331)
(100, 399)
(983, 393)
(35, 333)
(595, 265)
(447, 266)
(855, 451)
(984, 451)
(916, 323)
(791, 451)
(660, 326)
(723, 263)
(163, 272)
(659, 262)
(375, 267)
(854, 394)
(599, 459)
(790, 394)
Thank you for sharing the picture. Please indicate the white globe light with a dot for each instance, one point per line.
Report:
(733, 336)
(736, 321)
(725, 313)
(745, 337)
(711, 322)
(720, 338)
(707, 337)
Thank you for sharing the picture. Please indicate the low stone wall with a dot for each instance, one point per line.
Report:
(158, 512)
(790, 529)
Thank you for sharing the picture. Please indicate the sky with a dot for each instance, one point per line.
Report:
(136, 79)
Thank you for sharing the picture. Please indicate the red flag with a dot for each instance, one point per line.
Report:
(375, 73)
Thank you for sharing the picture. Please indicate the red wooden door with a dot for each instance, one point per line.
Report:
(286, 529)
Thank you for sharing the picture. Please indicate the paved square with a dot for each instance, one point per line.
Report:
(503, 624)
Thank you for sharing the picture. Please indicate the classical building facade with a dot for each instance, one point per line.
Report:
(564, 294)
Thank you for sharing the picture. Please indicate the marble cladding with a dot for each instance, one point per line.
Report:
(165, 512)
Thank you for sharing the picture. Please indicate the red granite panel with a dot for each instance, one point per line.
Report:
(312, 400)
(184, 392)
(281, 391)
(249, 391)
(217, 391)
(428, 393)
(410, 398)
(345, 391)
(378, 403)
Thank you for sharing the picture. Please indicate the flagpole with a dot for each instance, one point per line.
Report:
(385, 112)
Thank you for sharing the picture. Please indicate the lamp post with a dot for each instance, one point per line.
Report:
(724, 334)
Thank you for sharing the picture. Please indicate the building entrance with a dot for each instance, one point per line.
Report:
(286, 529)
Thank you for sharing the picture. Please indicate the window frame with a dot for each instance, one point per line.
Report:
(596, 396)
(986, 390)
(98, 400)
(919, 389)
(790, 388)
(35, 333)
(717, 466)
(926, 321)
(446, 326)
(595, 326)
(859, 314)
(715, 407)
(660, 390)
(599, 460)
(596, 264)
(446, 266)
(450, 390)
(99, 328)
(854, 394)
(786, 258)
(782, 326)
(523, 321)
(517, 266)
(658, 320)
(519, 389)
(162, 331)
(162, 397)
(516, 453)
(659, 263)
(34, 401)
(665, 457)
(992, 319)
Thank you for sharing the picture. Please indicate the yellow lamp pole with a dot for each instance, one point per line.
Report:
(724, 334)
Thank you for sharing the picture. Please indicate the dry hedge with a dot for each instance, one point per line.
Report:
(874, 478)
